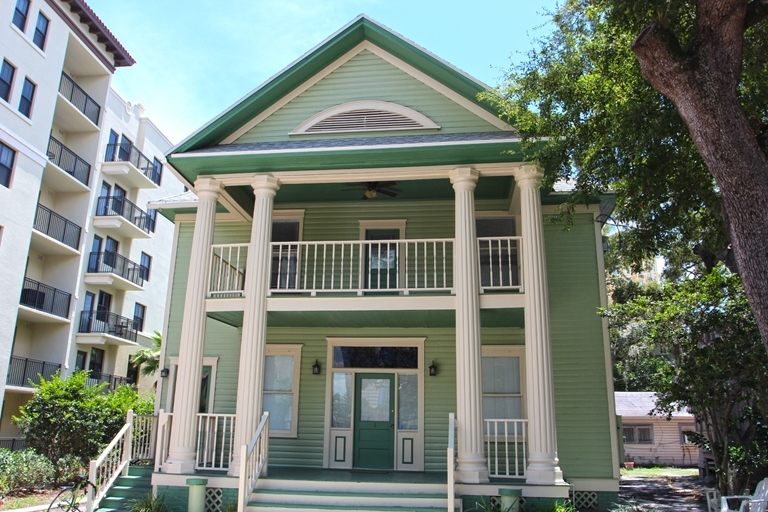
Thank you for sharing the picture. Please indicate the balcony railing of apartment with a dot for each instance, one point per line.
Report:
(24, 372)
(57, 227)
(113, 381)
(67, 160)
(114, 263)
(506, 447)
(125, 152)
(45, 298)
(369, 266)
(119, 205)
(107, 323)
(14, 444)
(79, 98)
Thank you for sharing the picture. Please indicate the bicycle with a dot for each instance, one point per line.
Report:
(70, 497)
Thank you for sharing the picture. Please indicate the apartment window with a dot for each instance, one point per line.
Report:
(139, 312)
(112, 146)
(157, 171)
(96, 364)
(80, 360)
(145, 264)
(685, 430)
(41, 31)
(6, 80)
(7, 156)
(132, 373)
(502, 370)
(638, 434)
(27, 95)
(281, 389)
(152, 219)
(20, 14)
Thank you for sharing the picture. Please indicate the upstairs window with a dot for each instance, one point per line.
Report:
(7, 156)
(6, 80)
(157, 171)
(152, 219)
(139, 312)
(41, 31)
(27, 95)
(144, 265)
(20, 14)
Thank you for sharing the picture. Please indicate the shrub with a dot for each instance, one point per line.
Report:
(150, 503)
(24, 470)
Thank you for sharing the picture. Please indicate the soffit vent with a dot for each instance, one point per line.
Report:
(365, 116)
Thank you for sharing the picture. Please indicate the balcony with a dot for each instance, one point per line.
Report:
(76, 111)
(105, 328)
(76, 171)
(14, 444)
(115, 270)
(53, 234)
(125, 161)
(399, 267)
(24, 372)
(125, 218)
(43, 303)
(112, 381)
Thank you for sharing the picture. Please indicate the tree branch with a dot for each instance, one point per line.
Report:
(662, 60)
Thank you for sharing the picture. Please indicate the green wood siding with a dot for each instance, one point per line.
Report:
(366, 77)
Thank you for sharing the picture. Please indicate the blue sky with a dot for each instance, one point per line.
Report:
(195, 58)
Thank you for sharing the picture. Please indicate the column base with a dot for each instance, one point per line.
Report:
(179, 466)
(544, 473)
(472, 472)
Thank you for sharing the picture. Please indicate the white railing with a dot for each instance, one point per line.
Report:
(506, 448)
(451, 462)
(500, 263)
(215, 441)
(143, 441)
(163, 438)
(112, 462)
(253, 463)
(228, 270)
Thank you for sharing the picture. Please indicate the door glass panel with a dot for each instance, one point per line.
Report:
(374, 400)
(375, 357)
(408, 403)
(342, 400)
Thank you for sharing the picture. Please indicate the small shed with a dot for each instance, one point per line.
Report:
(652, 440)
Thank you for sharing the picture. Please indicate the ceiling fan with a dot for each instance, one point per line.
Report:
(371, 189)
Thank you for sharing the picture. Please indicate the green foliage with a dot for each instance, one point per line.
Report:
(24, 470)
(149, 358)
(150, 503)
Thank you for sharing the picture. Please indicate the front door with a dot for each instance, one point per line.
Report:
(374, 442)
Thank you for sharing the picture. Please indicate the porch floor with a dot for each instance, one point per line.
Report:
(355, 475)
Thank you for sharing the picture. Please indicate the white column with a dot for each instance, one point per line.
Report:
(182, 451)
(542, 435)
(469, 392)
(254, 334)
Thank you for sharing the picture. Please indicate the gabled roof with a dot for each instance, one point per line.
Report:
(640, 403)
(358, 30)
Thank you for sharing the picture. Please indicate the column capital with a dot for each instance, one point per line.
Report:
(265, 185)
(208, 187)
(528, 175)
(466, 176)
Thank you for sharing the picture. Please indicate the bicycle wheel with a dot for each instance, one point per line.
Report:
(67, 500)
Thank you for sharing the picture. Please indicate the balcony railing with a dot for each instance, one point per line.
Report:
(57, 227)
(119, 205)
(107, 323)
(24, 372)
(113, 381)
(215, 441)
(126, 152)
(79, 98)
(45, 298)
(506, 448)
(14, 444)
(67, 160)
(366, 267)
(114, 263)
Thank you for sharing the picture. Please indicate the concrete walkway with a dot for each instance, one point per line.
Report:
(664, 493)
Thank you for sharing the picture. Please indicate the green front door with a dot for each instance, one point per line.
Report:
(381, 271)
(374, 443)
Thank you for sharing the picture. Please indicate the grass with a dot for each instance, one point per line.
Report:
(28, 499)
(649, 472)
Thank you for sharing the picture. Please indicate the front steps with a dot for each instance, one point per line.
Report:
(127, 489)
(323, 496)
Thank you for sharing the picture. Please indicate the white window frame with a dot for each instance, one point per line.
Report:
(636, 426)
(509, 351)
(213, 362)
(687, 427)
(295, 352)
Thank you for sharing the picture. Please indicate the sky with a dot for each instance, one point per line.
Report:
(195, 58)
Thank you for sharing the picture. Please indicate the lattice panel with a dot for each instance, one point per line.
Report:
(585, 500)
(214, 500)
(495, 503)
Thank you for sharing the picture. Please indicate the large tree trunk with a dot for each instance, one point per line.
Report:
(703, 86)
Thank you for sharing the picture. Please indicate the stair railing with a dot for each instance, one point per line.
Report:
(451, 462)
(112, 462)
(253, 462)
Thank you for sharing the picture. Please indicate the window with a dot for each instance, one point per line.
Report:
(144, 265)
(285, 256)
(80, 360)
(685, 429)
(132, 373)
(96, 363)
(207, 383)
(157, 171)
(139, 313)
(124, 151)
(20, 14)
(111, 146)
(151, 219)
(7, 156)
(27, 95)
(498, 254)
(6, 80)
(281, 389)
(503, 378)
(41, 31)
(638, 434)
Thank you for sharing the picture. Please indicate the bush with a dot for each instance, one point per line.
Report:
(24, 470)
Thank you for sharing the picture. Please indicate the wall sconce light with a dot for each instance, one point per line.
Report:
(164, 372)
(316, 368)
(432, 369)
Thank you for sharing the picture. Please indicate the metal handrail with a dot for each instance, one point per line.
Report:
(79, 98)
(45, 298)
(113, 263)
(66, 159)
(25, 372)
(120, 206)
(57, 227)
(127, 152)
(107, 323)
(113, 381)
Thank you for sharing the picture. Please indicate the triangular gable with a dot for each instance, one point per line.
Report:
(359, 31)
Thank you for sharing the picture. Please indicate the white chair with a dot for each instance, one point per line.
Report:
(758, 502)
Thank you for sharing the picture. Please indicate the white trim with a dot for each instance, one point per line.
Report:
(288, 215)
(293, 350)
(166, 320)
(385, 106)
(30, 41)
(594, 484)
(211, 361)
(398, 224)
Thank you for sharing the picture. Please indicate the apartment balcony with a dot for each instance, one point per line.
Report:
(76, 111)
(105, 328)
(65, 170)
(112, 381)
(41, 303)
(119, 215)
(114, 270)
(15, 444)
(131, 166)
(24, 372)
(54, 234)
